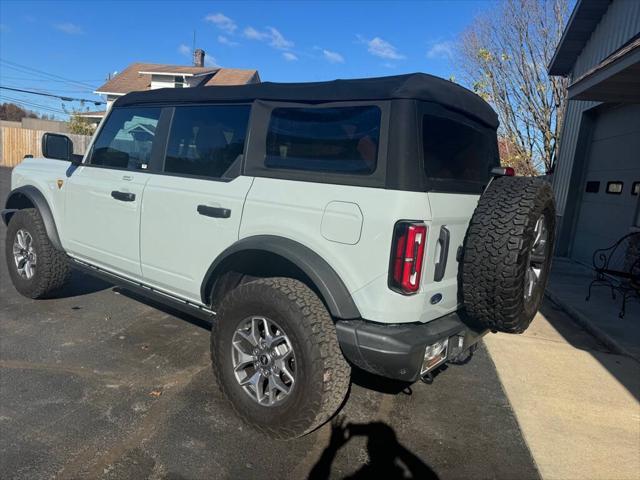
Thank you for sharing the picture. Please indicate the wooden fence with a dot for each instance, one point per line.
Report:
(15, 143)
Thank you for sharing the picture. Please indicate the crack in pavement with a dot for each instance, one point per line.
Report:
(89, 463)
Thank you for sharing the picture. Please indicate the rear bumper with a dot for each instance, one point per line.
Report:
(397, 350)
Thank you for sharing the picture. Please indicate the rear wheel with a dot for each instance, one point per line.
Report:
(37, 269)
(276, 357)
(507, 254)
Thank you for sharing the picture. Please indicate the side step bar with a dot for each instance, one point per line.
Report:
(145, 290)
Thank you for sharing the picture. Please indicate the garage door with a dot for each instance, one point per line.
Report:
(609, 202)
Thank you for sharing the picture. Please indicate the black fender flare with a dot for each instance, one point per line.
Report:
(39, 201)
(324, 277)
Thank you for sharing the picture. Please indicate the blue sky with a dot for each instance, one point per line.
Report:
(285, 41)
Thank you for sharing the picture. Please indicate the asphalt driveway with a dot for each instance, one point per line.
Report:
(96, 384)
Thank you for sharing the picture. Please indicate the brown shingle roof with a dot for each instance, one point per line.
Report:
(130, 79)
(233, 76)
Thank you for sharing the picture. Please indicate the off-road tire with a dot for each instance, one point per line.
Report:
(52, 269)
(496, 253)
(322, 373)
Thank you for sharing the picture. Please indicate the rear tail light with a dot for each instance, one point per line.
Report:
(407, 254)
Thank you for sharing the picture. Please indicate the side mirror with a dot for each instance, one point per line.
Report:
(58, 147)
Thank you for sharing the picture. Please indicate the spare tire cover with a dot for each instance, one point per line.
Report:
(507, 253)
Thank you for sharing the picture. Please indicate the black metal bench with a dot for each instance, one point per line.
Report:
(618, 268)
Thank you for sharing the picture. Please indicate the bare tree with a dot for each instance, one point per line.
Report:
(503, 57)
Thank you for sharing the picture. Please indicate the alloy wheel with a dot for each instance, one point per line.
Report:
(263, 360)
(24, 254)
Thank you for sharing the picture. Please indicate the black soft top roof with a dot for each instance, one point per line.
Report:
(418, 86)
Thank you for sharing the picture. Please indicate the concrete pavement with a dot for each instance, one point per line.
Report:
(577, 405)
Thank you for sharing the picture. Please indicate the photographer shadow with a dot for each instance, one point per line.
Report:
(388, 458)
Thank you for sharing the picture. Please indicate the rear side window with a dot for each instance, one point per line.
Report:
(126, 138)
(205, 141)
(457, 151)
(333, 139)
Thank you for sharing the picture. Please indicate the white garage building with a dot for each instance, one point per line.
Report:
(597, 176)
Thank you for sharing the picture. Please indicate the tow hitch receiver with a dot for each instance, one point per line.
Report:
(436, 354)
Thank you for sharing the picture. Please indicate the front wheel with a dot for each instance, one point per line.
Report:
(276, 357)
(37, 269)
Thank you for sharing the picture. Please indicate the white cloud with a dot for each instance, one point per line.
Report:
(222, 22)
(184, 50)
(210, 61)
(332, 57)
(289, 57)
(441, 50)
(270, 35)
(277, 40)
(227, 41)
(69, 28)
(381, 48)
(253, 34)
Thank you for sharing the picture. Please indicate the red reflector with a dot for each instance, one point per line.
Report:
(503, 172)
(409, 240)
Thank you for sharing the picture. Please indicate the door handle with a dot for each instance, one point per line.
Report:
(123, 196)
(441, 265)
(215, 212)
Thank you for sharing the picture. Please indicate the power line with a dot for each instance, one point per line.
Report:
(65, 99)
(34, 104)
(35, 71)
(51, 80)
(38, 88)
(31, 106)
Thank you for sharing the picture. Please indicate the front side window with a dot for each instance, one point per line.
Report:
(458, 151)
(126, 138)
(205, 140)
(333, 139)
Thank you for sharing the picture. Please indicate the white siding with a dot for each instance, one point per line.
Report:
(162, 81)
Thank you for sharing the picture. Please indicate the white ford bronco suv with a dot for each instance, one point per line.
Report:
(319, 225)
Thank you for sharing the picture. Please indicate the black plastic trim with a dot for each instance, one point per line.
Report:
(123, 196)
(214, 212)
(397, 350)
(36, 197)
(441, 265)
(326, 280)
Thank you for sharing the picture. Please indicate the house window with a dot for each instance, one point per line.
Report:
(592, 187)
(179, 82)
(614, 188)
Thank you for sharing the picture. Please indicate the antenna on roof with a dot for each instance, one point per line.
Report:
(193, 48)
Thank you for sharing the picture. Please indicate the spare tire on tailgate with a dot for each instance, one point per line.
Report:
(507, 253)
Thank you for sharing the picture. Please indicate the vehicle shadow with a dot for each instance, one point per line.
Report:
(377, 383)
(82, 284)
(192, 319)
(388, 458)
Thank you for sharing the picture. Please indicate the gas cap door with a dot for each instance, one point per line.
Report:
(342, 222)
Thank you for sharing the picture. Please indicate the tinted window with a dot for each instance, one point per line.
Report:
(458, 151)
(205, 141)
(126, 138)
(343, 139)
